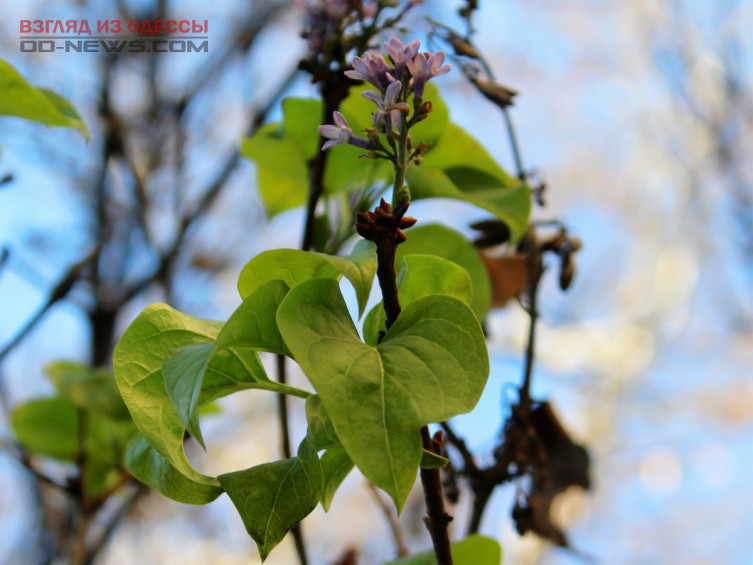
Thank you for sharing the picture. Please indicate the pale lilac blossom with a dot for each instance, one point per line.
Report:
(401, 54)
(425, 66)
(387, 105)
(371, 68)
(341, 133)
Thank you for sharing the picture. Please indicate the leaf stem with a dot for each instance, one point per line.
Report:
(401, 163)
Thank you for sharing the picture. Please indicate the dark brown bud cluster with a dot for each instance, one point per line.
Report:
(565, 246)
(423, 111)
(384, 224)
(500, 94)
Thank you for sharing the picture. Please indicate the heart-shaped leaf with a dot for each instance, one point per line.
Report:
(273, 497)
(431, 365)
(420, 275)
(137, 364)
(435, 239)
(294, 266)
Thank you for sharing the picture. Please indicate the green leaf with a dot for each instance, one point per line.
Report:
(282, 173)
(48, 426)
(421, 275)
(183, 371)
(459, 167)
(273, 497)
(336, 465)
(149, 467)
(108, 439)
(431, 129)
(473, 550)
(435, 239)
(431, 460)
(234, 363)
(321, 428)
(201, 372)
(293, 266)
(87, 388)
(38, 104)
(51, 427)
(107, 442)
(301, 117)
(431, 365)
(138, 372)
(282, 153)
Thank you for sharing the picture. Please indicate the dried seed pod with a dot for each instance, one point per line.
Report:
(498, 93)
(493, 232)
(462, 47)
(567, 269)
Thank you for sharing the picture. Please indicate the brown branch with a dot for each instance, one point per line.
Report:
(481, 481)
(437, 519)
(533, 276)
(384, 226)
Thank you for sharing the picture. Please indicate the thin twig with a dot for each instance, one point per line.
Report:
(533, 276)
(59, 292)
(209, 195)
(482, 481)
(387, 510)
(98, 544)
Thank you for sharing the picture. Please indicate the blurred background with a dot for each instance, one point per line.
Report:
(639, 115)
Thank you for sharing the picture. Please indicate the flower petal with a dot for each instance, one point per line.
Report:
(393, 91)
(412, 48)
(360, 66)
(340, 120)
(374, 96)
(329, 131)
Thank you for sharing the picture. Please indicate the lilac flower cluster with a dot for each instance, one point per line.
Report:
(422, 66)
(409, 72)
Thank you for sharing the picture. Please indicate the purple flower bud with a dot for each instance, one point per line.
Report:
(425, 66)
(388, 106)
(401, 54)
(371, 68)
(341, 134)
